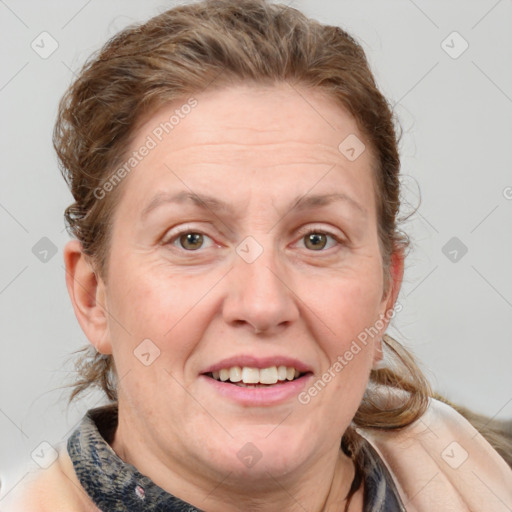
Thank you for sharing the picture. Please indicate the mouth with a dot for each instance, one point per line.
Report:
(257, 381)
(251, 377)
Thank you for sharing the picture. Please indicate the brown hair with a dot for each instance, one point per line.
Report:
(216, 43)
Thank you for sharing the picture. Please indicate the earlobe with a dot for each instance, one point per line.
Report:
(87, 293)
(378, 355)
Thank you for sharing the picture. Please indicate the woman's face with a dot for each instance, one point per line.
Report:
(245, 239)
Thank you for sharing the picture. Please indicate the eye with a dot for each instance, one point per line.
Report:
(318, 241)
(191, 241)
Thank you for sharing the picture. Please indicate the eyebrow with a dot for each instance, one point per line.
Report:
(203, 201)
(309, 201)
(207, 202)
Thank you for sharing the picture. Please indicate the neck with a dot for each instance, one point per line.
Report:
(320, 485)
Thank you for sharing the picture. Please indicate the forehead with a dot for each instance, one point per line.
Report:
(281, 138)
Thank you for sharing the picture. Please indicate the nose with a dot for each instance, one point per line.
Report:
(258, 296)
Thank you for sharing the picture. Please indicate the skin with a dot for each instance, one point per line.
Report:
(257, 149)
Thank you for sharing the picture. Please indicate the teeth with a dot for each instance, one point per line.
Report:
(235, 374)
(268, 375)
(248, 375)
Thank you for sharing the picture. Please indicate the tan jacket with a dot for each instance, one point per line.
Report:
(440, 463)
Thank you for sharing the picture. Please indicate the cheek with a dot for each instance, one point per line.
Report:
(150, 303)
(346, 304)
(348, 345)
(334, 396)
(344, 312)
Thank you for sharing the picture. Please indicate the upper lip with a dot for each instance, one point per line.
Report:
(258, 362)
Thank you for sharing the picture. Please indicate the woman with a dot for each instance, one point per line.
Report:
(236, 264)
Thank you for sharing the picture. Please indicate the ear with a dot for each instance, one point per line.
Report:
(87, 292)
(396, 274)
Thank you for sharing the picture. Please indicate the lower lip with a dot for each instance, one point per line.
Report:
(260, 396)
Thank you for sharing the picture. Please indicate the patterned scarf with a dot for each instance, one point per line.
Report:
(115, 486)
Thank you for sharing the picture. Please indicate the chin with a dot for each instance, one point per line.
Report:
(257, 457)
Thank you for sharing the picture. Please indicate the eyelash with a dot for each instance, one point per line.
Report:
(174, 238)
(319, 231)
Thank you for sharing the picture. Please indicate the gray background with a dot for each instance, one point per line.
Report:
(456, 151)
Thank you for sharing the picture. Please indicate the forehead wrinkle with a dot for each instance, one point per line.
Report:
(234, 155)
(200, 200)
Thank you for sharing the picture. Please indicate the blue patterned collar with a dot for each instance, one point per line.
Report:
(115, 486)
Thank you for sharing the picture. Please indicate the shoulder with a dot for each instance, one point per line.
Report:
(441, 460)
(55, 489)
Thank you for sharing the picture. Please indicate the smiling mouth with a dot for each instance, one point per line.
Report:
(255, 377)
